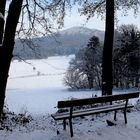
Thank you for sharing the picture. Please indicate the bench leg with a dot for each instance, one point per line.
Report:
(125, 118)
(115, 114)
(71, 129)
(64, 124)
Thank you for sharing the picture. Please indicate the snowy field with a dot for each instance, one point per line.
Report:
(37, 85)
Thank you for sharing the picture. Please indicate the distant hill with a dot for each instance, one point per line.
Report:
(65, 42)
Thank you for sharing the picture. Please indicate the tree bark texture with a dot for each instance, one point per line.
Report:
(8, 46)
(107, 77)
(2, 11)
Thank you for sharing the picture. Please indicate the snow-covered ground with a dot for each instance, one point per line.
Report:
(37, 85)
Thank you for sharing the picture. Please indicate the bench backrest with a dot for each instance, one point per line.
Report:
(102, 99)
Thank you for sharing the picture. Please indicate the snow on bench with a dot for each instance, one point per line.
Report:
(107, 104)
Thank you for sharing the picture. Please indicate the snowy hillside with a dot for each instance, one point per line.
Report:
(77, 30)
(61, 43)
(83, 30)
(36, 86)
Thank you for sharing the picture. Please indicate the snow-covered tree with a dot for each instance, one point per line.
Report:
(85, 70)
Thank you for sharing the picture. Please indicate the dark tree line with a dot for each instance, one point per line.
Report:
(126, 60)
(85, 70)
(110, 6)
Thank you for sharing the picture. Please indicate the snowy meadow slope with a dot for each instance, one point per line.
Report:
(37, 85)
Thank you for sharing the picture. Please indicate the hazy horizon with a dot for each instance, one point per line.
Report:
(73, 19)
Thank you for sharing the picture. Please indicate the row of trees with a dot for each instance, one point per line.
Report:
(37, 15)
(85, 70)
(126, 60)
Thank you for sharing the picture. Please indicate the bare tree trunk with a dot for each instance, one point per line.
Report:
(8, 46)
(90, 80)
(107, 77)
(2, 11)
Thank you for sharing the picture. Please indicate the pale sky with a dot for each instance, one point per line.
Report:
(74, 19)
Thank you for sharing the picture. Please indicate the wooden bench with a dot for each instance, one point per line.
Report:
(109, 103)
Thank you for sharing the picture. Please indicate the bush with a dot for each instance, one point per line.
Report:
(9, 120)
(75, 80)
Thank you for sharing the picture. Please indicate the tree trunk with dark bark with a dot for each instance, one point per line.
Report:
(107, 77)
(90, 80)
(8, 46)
(2, 11)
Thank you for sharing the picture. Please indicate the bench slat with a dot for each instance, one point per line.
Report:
(90, 111)
(94, 100)
(96, 110)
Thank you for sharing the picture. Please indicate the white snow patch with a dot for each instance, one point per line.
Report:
(38, 94)
(1, 16)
